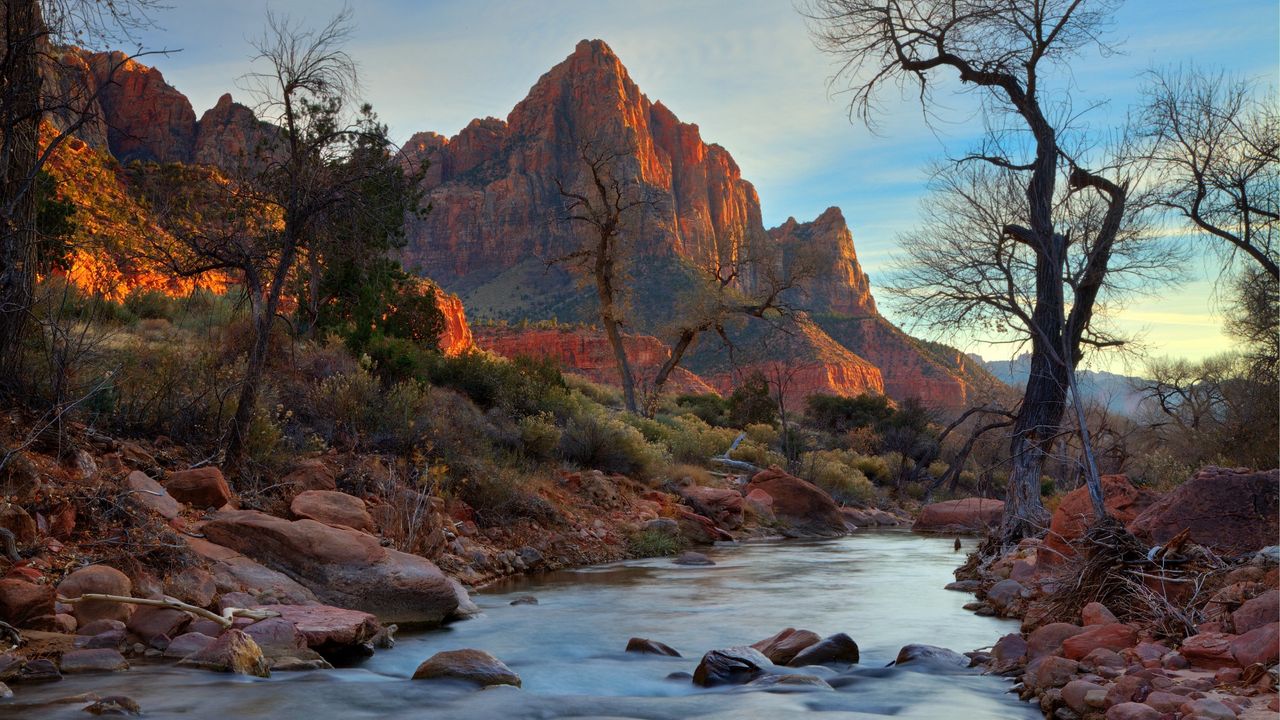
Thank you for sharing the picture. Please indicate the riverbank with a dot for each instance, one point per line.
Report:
(1117, 628)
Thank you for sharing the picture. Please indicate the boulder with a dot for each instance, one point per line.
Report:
(193, 585)
(1095, 613)
(724, 507)
(1077, 694)
(695, 528)
(1259, 645)
(97, 579)
(1112, 636)
(1075, 515)
(311, 474)
(149, 494)
(1229, 511)
(26, 605)
(202, 488)
(651, 647)
(475, 666)
(760, 504)
(97, 627)
(332, 508)
(1207, 709)
(1255, 613)
(233, 652)
(967, 515)
(1209, 650)
(1047, 640)
(930, 655)
(802, 507)
(786, 644)
(187, 644)
(91, 661)
(234, 573)
(284, 647)
(150, 623)
(342, 567)
(324, 628)
(1050, 671)
(1132, 711)
(1005, 595)
(730, 666)
(838, 649)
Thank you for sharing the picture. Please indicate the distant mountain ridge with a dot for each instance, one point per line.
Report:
(1116, 392)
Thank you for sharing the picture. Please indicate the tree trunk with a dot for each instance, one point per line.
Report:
(243, 419)
(1034, 432)
(604, 268)
(20, 121)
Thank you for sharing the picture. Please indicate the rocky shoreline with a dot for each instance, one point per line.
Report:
(1192, 631)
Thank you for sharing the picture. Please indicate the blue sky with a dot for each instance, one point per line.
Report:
(747, 73)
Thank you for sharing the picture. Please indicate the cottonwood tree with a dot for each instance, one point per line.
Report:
(38, 85)
(307, 181)
(1034, 268)
(1214, 145)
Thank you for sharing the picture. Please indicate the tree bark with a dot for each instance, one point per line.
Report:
(20, 121)
(604, 272)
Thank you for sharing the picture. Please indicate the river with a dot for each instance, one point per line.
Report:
(883, 588)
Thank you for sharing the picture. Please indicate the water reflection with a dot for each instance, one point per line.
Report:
(882, 588)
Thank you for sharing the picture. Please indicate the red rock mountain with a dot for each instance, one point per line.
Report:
(496, 220)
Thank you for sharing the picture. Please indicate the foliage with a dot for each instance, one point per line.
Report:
(835, 471)
(602, 441)
(709, 407)
(752, 402)
(539, 435)
(838, 414)
(521, 386)
(654, 543)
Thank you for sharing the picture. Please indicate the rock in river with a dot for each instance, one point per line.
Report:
(730, 666)
(475, 666)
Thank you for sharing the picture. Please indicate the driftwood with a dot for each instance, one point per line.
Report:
(735, 464)
(224, 619)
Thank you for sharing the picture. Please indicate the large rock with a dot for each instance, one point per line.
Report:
(1112, 636)
(19, 522)
(967, 515)
(475, 666)
(332, 508)
(149, 494)
(645, 646)
(1259, 645)
(199, 487)
(97, 579)
(285, 647)
(233, 652)
(1230, 511)
(784, 646)
(1255, 613)
(233, 572)
(92, 661)
(152, 623)
(730, 666)
(805, 509)
(724, 507)
(838, 649)
(343, 567)
(26, 605)
(147, 119)
(1075, 515)
(311, 474)
(930, 655)
(324, 628)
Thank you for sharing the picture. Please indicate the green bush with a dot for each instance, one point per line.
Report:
(874, 467)
(522, 386)
(597, 440)
(693, 440)
(752, 403)
(654, 543)
(709, 407)
(833, 471)
(836, 414)
(539, 435)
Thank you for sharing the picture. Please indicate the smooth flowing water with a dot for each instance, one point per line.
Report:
(883, 588)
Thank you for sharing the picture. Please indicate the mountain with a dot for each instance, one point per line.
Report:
(496, 222)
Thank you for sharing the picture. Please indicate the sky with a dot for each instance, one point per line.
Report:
(749, 75)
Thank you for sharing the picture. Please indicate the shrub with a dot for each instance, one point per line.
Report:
(654, 543)
(709, 407)
(697, 474)
(832, 471)
(152, 304)
(875, 467)
(762, 434)
(693, 440)
(753, 453)
(839, 415)
(498, 498)
(596, 440)
(603, 394)
(539, 435)
(752, 403)
(522, 385)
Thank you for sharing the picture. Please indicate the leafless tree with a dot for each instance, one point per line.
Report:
(37, 84)
(1215, 143)
(1005, 51)
(259, 226)
(608, 203)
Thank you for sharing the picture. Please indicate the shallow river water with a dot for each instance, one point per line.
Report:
(883, 588)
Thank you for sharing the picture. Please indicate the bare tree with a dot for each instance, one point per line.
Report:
(36, 85)
(307, 180)
(606, 206)
(1005, 50)
(1215, 143)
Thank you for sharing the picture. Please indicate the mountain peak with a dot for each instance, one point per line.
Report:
(586, 48)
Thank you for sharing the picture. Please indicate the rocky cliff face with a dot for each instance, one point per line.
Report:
(493, 186)
(587, 352)
(827, 244)
(456, 338)
(230, 136)
(146, 117)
